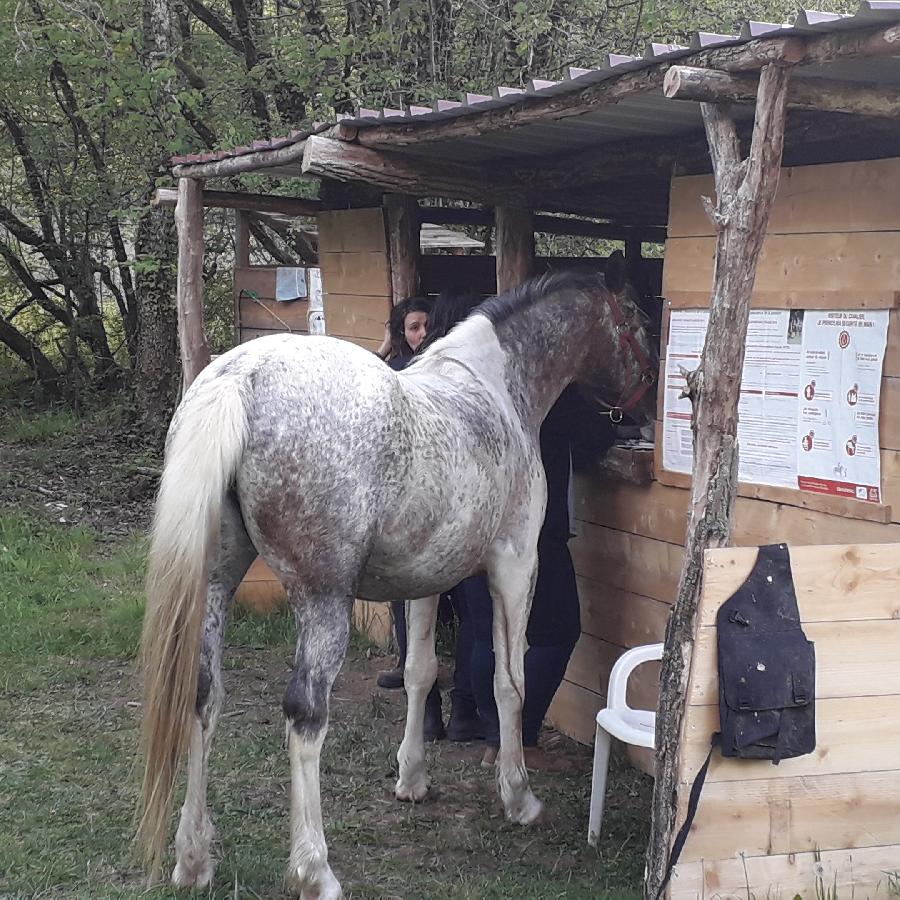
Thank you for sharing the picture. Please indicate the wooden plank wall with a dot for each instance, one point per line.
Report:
(834, 240)
(356, 274)
(265, 316)
(762, 830)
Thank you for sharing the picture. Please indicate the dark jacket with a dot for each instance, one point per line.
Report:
(573, 430)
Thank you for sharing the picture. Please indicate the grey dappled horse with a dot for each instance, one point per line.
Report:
(351, 480)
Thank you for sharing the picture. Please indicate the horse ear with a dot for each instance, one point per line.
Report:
(615, 272)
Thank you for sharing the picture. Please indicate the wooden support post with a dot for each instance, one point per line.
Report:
(189, 291)
(403, 240)
(241, 240)
(745, 190)
(514, 241)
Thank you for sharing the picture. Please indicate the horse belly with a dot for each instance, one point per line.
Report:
(420, 558)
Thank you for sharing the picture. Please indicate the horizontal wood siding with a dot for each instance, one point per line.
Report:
(356, 274)
(258, 313)
(768, 820)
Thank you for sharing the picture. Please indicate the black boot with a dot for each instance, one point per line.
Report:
(434, 722)
(391, 679)
(465, 724)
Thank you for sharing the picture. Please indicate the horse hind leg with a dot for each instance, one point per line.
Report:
(419, 675)
(323, 629)
(194, 864)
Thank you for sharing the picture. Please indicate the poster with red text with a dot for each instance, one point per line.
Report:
(842, 356)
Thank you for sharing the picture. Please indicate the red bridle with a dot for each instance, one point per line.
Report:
(648, 371)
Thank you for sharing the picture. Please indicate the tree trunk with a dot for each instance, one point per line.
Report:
(820, 95)
(745, 190)
(31, 355)
(156, 365)
(403, 238)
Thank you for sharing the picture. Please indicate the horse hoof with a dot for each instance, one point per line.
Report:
(193, 876)
(412, 793)
(324, 886)
(525, 810)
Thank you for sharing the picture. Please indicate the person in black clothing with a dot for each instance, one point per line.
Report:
(405, 331)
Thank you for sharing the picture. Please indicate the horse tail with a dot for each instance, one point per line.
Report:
(204, 448)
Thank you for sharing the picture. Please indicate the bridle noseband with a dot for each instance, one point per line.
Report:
(629, 401)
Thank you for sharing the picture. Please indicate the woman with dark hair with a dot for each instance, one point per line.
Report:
(405, 331)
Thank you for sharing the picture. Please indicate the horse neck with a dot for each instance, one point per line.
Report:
(546, 345)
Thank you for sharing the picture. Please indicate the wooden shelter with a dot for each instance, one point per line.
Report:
(609, 153)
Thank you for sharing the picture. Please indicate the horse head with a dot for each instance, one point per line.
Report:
(619, 371)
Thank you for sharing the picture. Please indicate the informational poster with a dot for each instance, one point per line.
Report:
(840, 386)
(808, 409)
(767, 410)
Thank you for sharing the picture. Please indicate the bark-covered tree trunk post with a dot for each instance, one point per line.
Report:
(189, 220)
(403, 229)
(745, 190)
(514, 246)
(156, 362)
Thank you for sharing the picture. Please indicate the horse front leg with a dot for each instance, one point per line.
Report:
(323, 629)
(511, 579)
(418, 677)
(194, 864)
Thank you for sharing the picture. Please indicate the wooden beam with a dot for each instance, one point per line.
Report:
(403, 174)
(403, 227)
(878, 41)
(745, 191)
(265, 203)
(189, 286)
(454, 215)
(819, 94)
(514, 246)
(238, 165)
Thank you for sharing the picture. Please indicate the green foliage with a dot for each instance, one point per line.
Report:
(81, 160)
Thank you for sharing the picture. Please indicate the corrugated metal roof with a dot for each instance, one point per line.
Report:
(639, 114)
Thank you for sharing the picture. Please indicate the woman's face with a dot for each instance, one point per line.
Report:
(415, 327)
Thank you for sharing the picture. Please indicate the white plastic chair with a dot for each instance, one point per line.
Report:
(618, 719)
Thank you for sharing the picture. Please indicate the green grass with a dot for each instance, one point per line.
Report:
(36, 427)
(59, 595)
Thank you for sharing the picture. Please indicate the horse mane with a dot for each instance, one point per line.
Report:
(501, 308)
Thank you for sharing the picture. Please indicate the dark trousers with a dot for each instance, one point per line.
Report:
(463, 696)
(553, 630)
